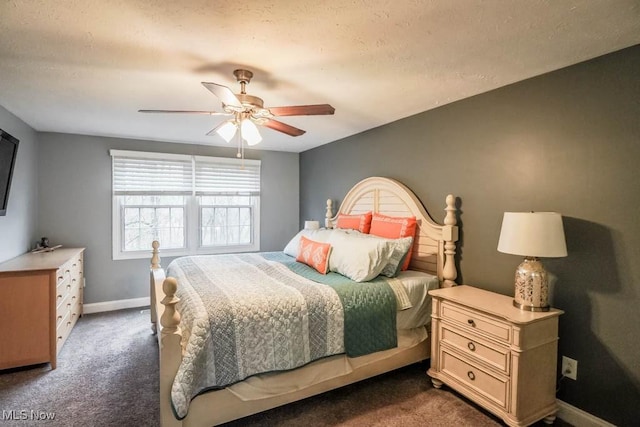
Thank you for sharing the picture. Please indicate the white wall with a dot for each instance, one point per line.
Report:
(18, 226)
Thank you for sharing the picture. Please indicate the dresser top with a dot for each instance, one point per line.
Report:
(491, 303)
(40, 261)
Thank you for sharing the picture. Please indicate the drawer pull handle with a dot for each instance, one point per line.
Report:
(471, 346)
(59, 337)
(471, 375)
(471, 322)
(59, 296)
(59, 317)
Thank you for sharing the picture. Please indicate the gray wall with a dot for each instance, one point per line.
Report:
(75, 204)
(567, 141)
(18, 226)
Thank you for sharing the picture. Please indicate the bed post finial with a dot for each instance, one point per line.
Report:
(329, 214)
(450, 236)
(170, 317)
(155, 257)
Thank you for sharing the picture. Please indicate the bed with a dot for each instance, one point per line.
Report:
(432, 253)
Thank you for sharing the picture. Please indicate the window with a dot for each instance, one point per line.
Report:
(191, 204)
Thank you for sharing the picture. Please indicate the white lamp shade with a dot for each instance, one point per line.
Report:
(250, 132)
(311, 225)
(227, 130)
(532, 234)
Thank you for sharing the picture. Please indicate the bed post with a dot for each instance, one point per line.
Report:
(170, 350)
(450, 237)
(329, 214)
(155, 266)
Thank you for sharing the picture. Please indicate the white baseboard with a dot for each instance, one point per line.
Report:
(578, 417)
(99, 307)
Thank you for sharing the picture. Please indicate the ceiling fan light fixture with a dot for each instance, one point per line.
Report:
(250, 132)
(227, 131)
(249, 111)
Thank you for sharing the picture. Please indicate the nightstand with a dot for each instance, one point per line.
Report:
(500, 357)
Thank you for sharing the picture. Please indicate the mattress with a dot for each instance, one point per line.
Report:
(417, 285)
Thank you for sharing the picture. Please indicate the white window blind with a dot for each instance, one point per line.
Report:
(220, 176)
(137, 173)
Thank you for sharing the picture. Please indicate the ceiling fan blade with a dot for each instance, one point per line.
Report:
(283, 127)
(210, 113)
(224, 94)
(303, 110)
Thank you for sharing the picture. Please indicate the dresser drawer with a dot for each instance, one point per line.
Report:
(76, 266)
(476, 347)
(62, 330)
(63, 295)
(472, 320)
(76, 311)
(63, 286)
(491, 387)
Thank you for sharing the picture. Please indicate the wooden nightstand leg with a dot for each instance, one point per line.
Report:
(550, 419)
(438, 383)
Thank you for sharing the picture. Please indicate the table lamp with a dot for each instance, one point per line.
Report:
(532, 235)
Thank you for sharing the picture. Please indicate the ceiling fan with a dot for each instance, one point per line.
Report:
(247, 111)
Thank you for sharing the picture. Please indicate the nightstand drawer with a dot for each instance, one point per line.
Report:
(490, 387)
(475, 347)
(472, 320)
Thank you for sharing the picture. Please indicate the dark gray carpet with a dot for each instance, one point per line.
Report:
(107, 376)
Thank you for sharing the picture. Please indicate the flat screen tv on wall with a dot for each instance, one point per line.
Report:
(8, 154)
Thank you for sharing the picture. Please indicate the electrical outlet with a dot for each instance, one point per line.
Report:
(569, 367)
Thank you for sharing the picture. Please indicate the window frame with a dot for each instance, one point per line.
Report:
(192, 214)
(254, 208)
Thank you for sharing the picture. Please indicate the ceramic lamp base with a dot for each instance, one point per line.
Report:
(531, 286)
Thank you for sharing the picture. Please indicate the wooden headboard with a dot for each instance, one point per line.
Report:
(434, 246)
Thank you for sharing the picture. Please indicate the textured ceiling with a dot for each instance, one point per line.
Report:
(87, 66)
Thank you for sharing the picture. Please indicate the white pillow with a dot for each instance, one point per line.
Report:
(321, 235)
(357, 257)
(398, 249)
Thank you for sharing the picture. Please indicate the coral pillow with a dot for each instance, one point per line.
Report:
(321, 235)
(394, 227)
(361, 223)
(314, 254)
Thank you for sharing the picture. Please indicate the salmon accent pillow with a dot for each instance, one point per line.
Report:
(394, 227)
(314, 254)
(321, 235)
(361, 222)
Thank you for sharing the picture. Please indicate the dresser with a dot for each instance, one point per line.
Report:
(40, 302)
(502, 358)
